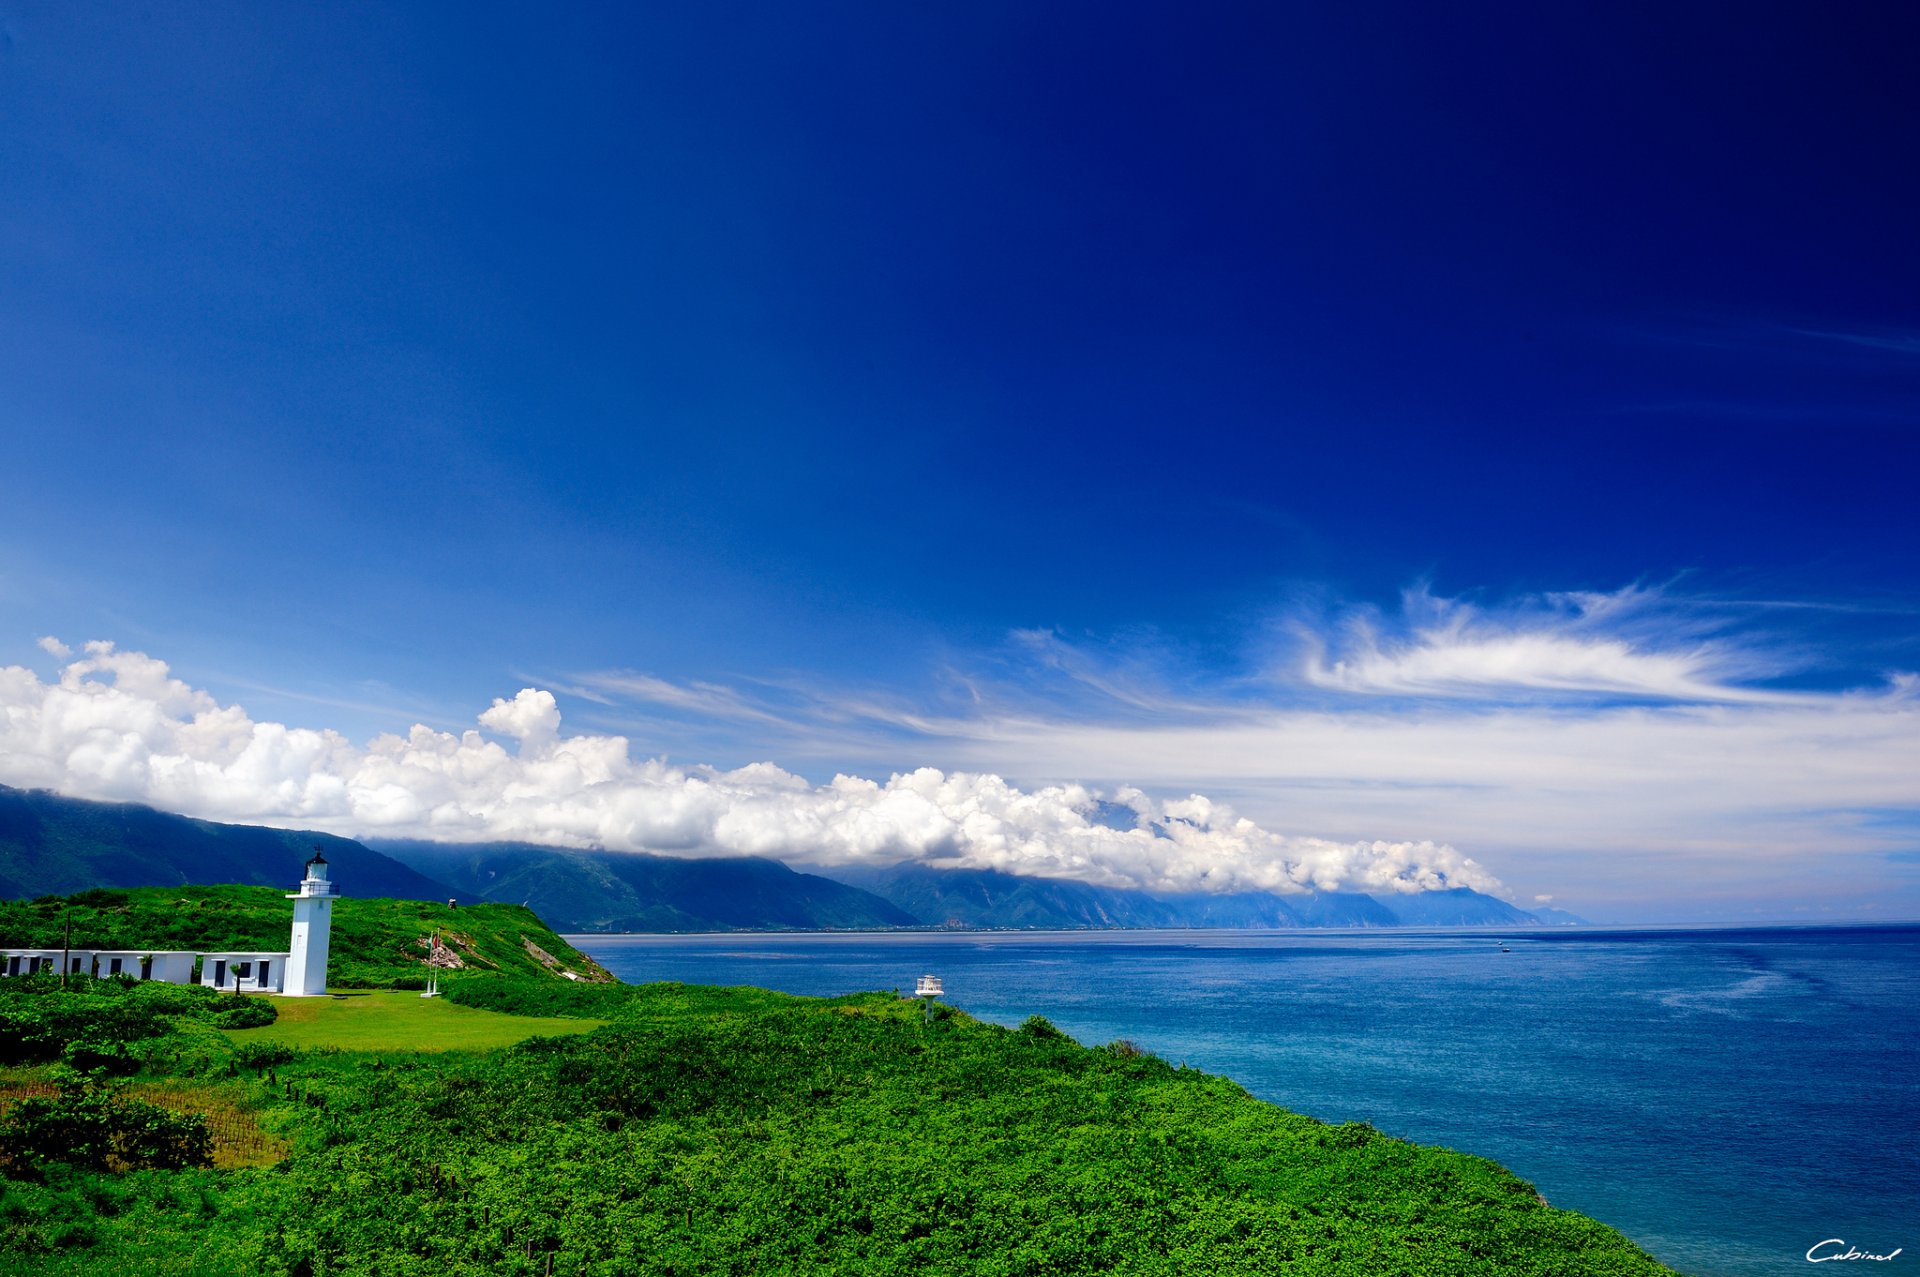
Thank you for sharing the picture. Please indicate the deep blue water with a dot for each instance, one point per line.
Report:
(1727, 1098)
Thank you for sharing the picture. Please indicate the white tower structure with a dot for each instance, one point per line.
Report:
(312, 924)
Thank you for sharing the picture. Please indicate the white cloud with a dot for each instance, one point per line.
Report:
(703, 699)
(532, 715)
(1624, 747)
(1627, 803)
(1564, 643)
(1630, 746)
(54, 647)
(118, 725)
(1457, 662)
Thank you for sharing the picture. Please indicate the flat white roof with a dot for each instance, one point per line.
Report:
(145, 953)
(78, 952)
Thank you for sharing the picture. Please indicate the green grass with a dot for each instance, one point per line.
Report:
(381, 1021)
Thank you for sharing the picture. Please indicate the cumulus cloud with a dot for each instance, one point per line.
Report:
(532, 715)
(54, 647)
(118, 725)
(1628, 803)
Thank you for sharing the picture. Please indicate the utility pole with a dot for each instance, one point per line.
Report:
(66, 948)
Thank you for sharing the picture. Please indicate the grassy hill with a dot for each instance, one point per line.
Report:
(374, 942)
(741, 1131)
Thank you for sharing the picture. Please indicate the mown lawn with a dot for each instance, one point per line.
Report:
(383, 1021)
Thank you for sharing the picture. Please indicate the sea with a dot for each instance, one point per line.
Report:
(1731, 1099)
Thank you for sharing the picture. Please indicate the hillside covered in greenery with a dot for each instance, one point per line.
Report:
(50, 843)
(375, 943)
(633, 891)
(739, 1131)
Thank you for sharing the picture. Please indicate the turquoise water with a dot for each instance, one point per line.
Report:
(1727, 1098)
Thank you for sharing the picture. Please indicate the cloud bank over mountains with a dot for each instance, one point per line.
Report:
(1611, 748)
(1627, 752)
(117, 725)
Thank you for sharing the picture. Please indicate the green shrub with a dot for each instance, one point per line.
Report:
(1037, 1026)
(111, 1057)
(262, 1055)
(100, 898)
(94, 1125)
(246, 1013)
(540, 997)
(109, 1018)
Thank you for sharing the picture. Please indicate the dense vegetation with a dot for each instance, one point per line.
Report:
(740, 1131)
(91, 1123)
(113, 1025)
(375, 943)
(79, 1113)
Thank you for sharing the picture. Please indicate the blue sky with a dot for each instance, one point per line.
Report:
(1340, 415)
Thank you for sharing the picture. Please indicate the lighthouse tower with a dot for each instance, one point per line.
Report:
(312, 921)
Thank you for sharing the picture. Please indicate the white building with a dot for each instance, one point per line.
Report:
(244, 972)
(300, 970)
(28, 961)
(168, 966)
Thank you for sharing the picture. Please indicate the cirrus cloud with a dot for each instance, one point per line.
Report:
(1614, 644)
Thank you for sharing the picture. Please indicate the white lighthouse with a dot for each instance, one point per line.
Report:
(312, 922)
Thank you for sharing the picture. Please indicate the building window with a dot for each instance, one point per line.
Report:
(113, 966)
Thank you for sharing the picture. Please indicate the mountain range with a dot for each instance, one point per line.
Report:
(990, 898)
(52, 844)
(634, 891)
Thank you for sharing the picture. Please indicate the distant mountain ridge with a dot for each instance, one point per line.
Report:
(635, 891)
(990, 898)
(54, 845)
(51, 844)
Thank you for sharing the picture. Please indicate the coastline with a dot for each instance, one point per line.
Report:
(1645, 1076)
